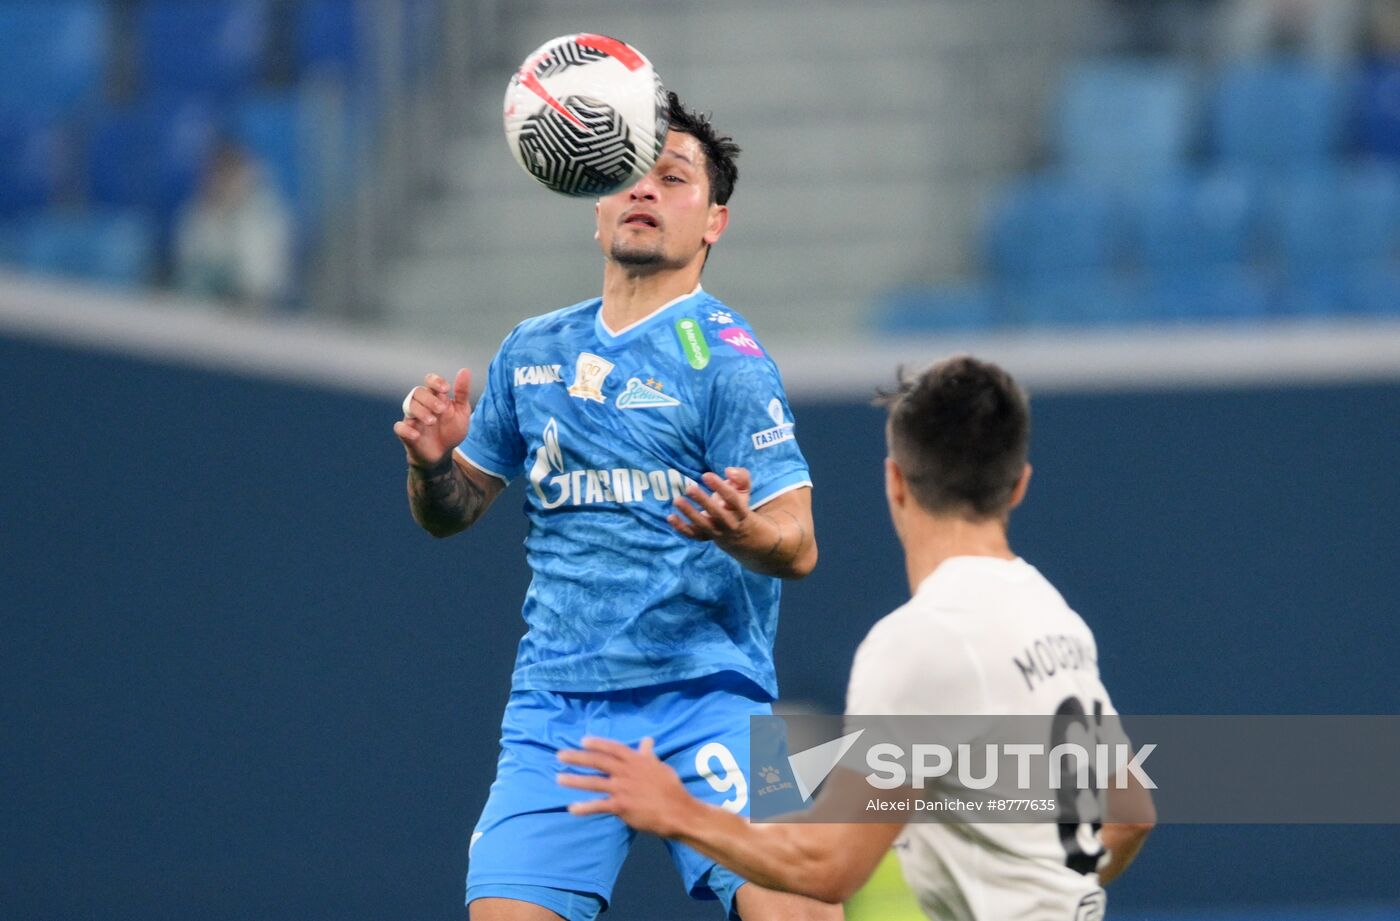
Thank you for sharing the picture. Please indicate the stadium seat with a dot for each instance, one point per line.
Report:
(1122, 120)
(946, 308)
(214, 47)
(34, 154)
(1332, 218)
(1279, 115)
(1050, 226)
(329, 37)
(152, 154)
(116, 248)
(1374, 289)
(52, 54)
(273, 128)
(1379, 108)
(1193, 220)
(1081, 299)
(1211, 293)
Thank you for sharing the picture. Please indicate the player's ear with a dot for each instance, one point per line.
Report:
(896, 490)
(719, 220)
(1018, 492)
(597, 209)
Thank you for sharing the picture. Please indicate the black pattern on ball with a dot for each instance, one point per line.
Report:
(592, 160)
(566, 55)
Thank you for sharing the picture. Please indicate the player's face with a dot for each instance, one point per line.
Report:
(666, 219)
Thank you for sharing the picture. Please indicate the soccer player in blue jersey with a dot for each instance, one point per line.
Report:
(667, 498)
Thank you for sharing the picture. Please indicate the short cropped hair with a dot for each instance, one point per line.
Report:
(960, 433)
(720, 150)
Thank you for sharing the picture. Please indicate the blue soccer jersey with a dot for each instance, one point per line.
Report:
(609, 428)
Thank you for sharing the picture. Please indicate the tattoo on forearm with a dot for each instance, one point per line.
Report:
(773, 551)
(443, 499)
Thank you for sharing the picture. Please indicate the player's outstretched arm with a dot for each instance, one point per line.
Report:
(776, 539)
(445, 494)
(828, 862)
(1123, 839)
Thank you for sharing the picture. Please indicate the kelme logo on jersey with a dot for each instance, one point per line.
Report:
(588, 377)
(693, 344)
(779, 433)
(538, 374)
(555, 485)
(644, 396)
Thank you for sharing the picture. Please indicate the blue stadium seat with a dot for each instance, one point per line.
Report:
(1125, 119)
(52, 54)
(34, 155)
(116, 248)
(946, 308)
(274, 129)
(1208, 293)
(214, 47)
(329, 37)
(1279, 114)
(1378, 113)
(1051, 226)
(152, 154)
(1374, 290)
(1191, 220)
(1333, 218)
(1086, 299)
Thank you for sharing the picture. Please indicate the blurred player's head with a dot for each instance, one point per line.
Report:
(672, 217)
(958, 438)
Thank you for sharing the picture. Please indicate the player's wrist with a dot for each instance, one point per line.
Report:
(686, 819)
(433, 469)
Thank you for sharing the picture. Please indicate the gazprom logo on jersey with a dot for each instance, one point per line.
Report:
(556, 486)
(781, 431)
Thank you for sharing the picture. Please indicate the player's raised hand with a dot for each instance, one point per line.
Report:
(722, 515)
(435, 419)
(641, 789)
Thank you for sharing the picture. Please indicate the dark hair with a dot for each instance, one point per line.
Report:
(720, 150)
(960, 433)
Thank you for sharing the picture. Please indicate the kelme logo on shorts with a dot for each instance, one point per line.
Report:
(697, 350)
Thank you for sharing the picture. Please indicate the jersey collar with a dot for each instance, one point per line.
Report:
(607, 335)
(1016, 568)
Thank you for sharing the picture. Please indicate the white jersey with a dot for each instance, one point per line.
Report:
(987, 636)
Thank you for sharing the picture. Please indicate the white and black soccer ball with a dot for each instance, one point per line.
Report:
(586, 115)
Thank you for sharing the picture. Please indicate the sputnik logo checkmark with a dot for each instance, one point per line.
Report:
(811, 766)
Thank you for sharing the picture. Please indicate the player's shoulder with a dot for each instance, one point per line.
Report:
(920, 632)
(564, 322)
(735, 355)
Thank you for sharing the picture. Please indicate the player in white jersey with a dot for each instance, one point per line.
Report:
(983, 635)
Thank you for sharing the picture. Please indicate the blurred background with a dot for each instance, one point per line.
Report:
(238, 681)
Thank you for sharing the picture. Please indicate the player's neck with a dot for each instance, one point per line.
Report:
(929, 540)
(629, 297)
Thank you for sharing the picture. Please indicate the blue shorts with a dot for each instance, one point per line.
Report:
(527, 846)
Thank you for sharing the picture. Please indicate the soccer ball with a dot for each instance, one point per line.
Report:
(586, 115)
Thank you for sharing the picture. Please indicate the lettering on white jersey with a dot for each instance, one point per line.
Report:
(1051, 654)
(781, 432)
(538, 374)
(619, 485)
(588, 377)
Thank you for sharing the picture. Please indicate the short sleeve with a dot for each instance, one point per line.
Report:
(493, 442)
(749, 424)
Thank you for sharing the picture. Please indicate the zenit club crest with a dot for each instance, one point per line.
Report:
(644, 396)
